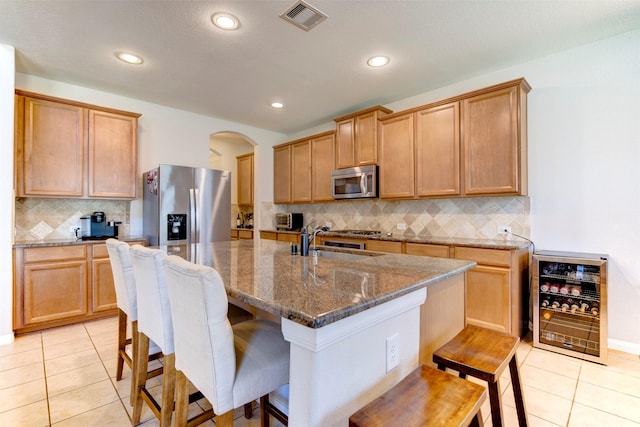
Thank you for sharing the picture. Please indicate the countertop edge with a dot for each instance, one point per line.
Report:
(433, 240)
(70, 242)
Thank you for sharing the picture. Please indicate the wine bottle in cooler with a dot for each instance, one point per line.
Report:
(546, 302)
(565, 305)
(595, 309)
(585, 306)
(574, 305)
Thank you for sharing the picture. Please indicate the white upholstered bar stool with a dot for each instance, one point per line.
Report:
(126, 300)
(230, 365)
(154, 323)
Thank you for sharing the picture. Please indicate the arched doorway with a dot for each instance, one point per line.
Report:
(224, 150)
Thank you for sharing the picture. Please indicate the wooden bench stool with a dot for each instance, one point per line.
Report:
(485, 354)
(425, 397)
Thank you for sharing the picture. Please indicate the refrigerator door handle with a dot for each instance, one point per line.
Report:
(192, 211)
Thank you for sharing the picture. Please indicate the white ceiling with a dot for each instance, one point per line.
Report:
(319, 75)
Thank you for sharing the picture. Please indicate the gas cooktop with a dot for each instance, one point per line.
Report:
(358, 232)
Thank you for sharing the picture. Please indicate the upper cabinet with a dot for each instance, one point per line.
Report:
(322, 164)
(473, 144)
(245, 179)
(282, 174)
(302, 169)
(494, 140)
(69, 149)
(357, 137)
(397, 153)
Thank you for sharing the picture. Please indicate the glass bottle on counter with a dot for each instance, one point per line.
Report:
(238, 221)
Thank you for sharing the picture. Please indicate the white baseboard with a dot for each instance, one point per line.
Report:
(6, 339)
(625, 346)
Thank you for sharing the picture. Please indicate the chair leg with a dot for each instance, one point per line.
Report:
(168, 389)
(248, 410)
(122, 342)
(264, 414)
(517, 392)
(134, 361)
(142, 364)
(182, 400)
(495, 400)
(225, 420)
(476, 421)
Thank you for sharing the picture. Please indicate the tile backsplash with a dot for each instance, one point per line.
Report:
(474, 217)
(47, 219)
(477, 217)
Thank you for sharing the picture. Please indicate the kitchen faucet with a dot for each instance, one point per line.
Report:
(315, 233)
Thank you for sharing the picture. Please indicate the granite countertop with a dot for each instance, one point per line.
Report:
(69, 241)
(264, 274)
(508, 244)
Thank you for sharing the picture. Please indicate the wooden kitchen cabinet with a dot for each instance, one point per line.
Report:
(397, 153)
(302, 169)
(51, 285)
(494, 140)
(103, 292)
(357, 137)
(301, 172)
(60, 285)
(385, 246)
(70, 149)
(245, 179)
(437, 143)
(50, 148)
(113, 155)
(322, 164)
(497, 294)
(282, 174)
(426, 249)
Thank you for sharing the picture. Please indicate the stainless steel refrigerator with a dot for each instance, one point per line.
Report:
(186, 205)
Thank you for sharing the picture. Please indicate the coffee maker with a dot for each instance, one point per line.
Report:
(96, 227)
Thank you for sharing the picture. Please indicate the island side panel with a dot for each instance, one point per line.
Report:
(337, 369)
(442, 316)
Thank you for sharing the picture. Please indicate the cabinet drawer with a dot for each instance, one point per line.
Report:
(269, 235)
(497, 257)
(293, 238)
(100, 251)
(425, 249)
(383, 246)
(245, 234)
(53, 253)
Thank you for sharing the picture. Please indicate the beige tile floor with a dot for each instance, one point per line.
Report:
(65, 377)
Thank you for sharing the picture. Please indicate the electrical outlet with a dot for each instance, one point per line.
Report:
(504, 229)
(401, 226)
(393, 352)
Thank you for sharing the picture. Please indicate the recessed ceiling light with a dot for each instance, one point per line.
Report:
(225, 21)
(129, 58)
(378, 61)
(277, 104)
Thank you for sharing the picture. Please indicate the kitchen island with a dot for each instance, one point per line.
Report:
(338, 311)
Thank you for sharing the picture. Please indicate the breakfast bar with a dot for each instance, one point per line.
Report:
(341, 310)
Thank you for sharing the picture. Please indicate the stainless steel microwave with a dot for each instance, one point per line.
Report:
(355, 183)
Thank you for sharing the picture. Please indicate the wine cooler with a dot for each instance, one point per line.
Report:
(570, 304)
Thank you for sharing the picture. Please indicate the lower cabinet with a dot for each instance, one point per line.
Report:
(54, 285)
(237, 234)
(103, 293)
(59, 285)
(497, 293)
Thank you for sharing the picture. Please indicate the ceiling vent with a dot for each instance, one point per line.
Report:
(303, 15)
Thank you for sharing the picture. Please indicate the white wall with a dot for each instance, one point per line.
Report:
(7, 72)
(229, 147)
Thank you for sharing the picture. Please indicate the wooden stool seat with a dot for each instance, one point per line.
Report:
(485, 354)
(425, 397)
